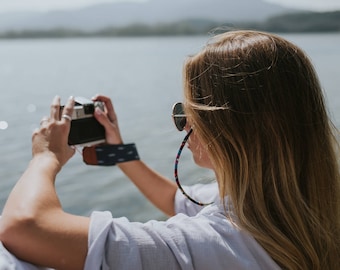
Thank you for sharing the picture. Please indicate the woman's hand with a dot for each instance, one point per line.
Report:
(108, 119)
(51, 138)
(33, 225)
(158, 189)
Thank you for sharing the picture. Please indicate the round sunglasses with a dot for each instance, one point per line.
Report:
(178, 115)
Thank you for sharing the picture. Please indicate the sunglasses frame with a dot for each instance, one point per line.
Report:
(176, 172)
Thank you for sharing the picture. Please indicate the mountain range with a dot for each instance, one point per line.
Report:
(152, 12)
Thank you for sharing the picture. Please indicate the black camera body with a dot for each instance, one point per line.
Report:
(85, 129)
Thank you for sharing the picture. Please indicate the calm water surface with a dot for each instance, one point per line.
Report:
(143, 78)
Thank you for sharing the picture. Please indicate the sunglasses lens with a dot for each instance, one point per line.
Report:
(179, 117)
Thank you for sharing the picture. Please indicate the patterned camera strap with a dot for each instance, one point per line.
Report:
(110, 154)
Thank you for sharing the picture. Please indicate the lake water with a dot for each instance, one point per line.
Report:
(143, 76)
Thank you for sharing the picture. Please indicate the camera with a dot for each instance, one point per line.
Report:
(85, 129)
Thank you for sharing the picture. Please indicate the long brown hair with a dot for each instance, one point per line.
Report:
(256, 103)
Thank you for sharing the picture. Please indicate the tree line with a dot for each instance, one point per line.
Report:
(310, 22)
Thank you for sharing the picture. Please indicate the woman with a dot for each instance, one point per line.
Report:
(255, 115)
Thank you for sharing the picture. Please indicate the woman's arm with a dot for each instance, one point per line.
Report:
(33, 225)
(157, 188)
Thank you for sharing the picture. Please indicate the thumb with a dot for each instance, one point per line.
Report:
(102, 118)
(111, 128)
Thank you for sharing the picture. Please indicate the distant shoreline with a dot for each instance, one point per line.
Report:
(305, 22)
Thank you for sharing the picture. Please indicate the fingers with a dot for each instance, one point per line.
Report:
(52, 136)
(109, 120)
(56, 114)
(102, 118)
(43, 121)
(68, 110)
(55, 108)
(108, 105)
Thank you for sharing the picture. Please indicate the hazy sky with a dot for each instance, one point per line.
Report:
(44, 5)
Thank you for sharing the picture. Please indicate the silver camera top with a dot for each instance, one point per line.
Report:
(84, 108)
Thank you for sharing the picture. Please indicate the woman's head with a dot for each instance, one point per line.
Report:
(257, 107)
(254, 99)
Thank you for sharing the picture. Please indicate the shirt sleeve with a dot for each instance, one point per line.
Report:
(205, 241)
(116, 243)
(205, 193)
